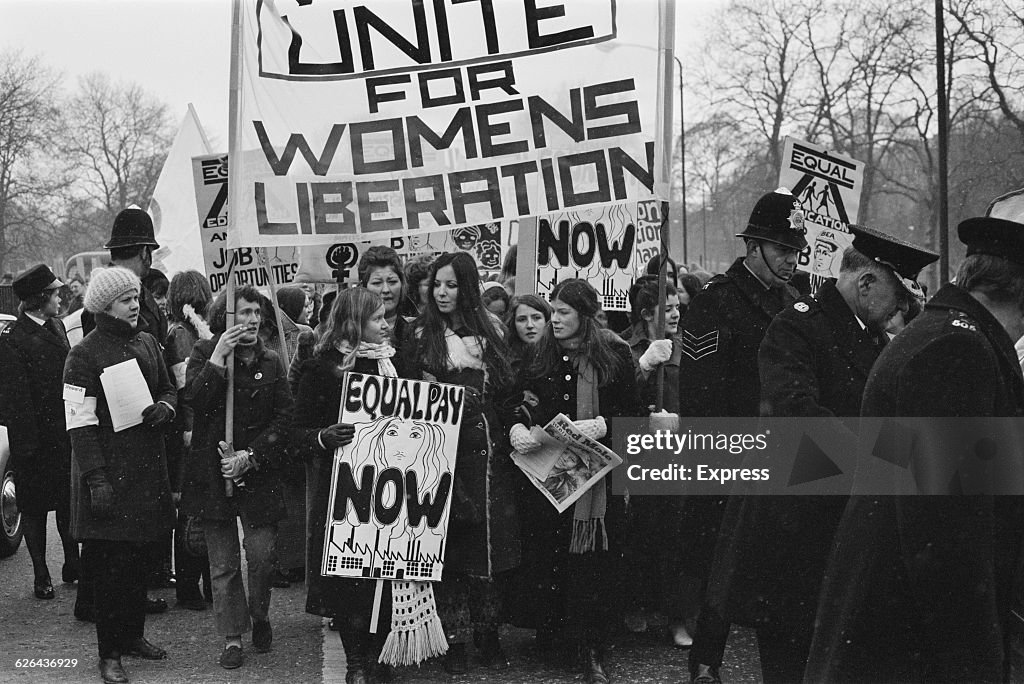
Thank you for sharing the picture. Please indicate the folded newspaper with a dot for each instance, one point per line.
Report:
(567, 464)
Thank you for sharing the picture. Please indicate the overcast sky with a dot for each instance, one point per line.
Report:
(177, 49)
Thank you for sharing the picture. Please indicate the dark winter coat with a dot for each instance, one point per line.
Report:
(721, 332)
(919, 587)
(584, 592)
(316, 407)
(262, 414)
(638, 342)
(718, 377)
(32, 407)
(483, 527)
(133, 459)
(814, 362)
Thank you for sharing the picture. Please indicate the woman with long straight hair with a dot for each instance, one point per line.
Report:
(576, 574)
(354, 339)
(456, 340)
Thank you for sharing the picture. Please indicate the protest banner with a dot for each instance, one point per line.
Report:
(567, 465)
(171, 207)
(487, 243)
(827, 186)
(608, 246)
(210, 176)
(392, 485)
(367, 118)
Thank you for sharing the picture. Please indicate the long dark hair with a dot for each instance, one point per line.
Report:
(192, 288)
(481, 323)
(351, 309)
(595, 342)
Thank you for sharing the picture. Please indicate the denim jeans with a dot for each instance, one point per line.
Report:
(232, 613)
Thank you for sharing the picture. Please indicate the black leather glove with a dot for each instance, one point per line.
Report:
(156, 414)
(101, 494)
(337, 435)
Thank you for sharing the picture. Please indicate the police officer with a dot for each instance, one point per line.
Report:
(131, 245)
(814, 361)
(718, 375)
(918, 587)
(32, 353)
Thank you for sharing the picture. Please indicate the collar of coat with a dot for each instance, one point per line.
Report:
(117, 327)
(954, 298)
(770, 301)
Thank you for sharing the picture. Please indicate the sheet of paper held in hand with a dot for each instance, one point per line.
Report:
(127, 393)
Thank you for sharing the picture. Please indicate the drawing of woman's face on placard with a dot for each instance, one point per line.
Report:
(406, 445)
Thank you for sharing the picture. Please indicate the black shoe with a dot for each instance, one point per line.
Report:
(262, 635)
(231, 657)
(705, 674)
(356, 676)
(455, 661)
(279, 581)
(594, 667)
(143, 649)
(85, 613)
(333, 625)
(154, 606)
(70, 573)
(491, 653)
(192, 603)
(43, 589)
(112, 671)
(382, 673)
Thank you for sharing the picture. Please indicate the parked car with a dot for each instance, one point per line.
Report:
(10, 518)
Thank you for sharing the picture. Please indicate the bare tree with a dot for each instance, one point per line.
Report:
(28, 113)
(117, 136)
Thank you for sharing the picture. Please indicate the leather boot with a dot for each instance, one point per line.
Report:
(355, 645)
(594, 666)
(491, 653)
(112, 671)
(704, 674)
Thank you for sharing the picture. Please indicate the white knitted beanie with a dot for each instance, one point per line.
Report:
(106, 285)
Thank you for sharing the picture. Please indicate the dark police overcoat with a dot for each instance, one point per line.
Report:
(918, 587)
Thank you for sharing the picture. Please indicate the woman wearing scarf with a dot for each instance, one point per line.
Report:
(457, 341)
(380, 271)
(354, 339)
(576, 558)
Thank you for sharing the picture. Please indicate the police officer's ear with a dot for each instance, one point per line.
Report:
(865, 281)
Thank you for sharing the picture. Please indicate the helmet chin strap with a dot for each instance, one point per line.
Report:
(760, 247)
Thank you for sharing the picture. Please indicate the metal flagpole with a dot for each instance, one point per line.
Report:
(666, 49)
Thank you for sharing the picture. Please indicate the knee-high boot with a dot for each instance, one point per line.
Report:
(356, 644)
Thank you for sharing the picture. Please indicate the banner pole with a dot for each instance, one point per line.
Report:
(233, 190)
(666, 55)
(378, 593)
(229, 401)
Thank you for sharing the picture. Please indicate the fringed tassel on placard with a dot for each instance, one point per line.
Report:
(416, 630)
(585, 535)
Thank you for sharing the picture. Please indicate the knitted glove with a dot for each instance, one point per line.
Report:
(101, 494)
(665, 420)
(522, 440)
(236, 465)
(658, 353)
(595, 428)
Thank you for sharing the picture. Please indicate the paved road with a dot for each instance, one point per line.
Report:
(304, 651)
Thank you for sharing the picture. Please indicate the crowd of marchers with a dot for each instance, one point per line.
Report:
(243, 424)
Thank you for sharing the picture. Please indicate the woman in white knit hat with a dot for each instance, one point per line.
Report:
(120, 493)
